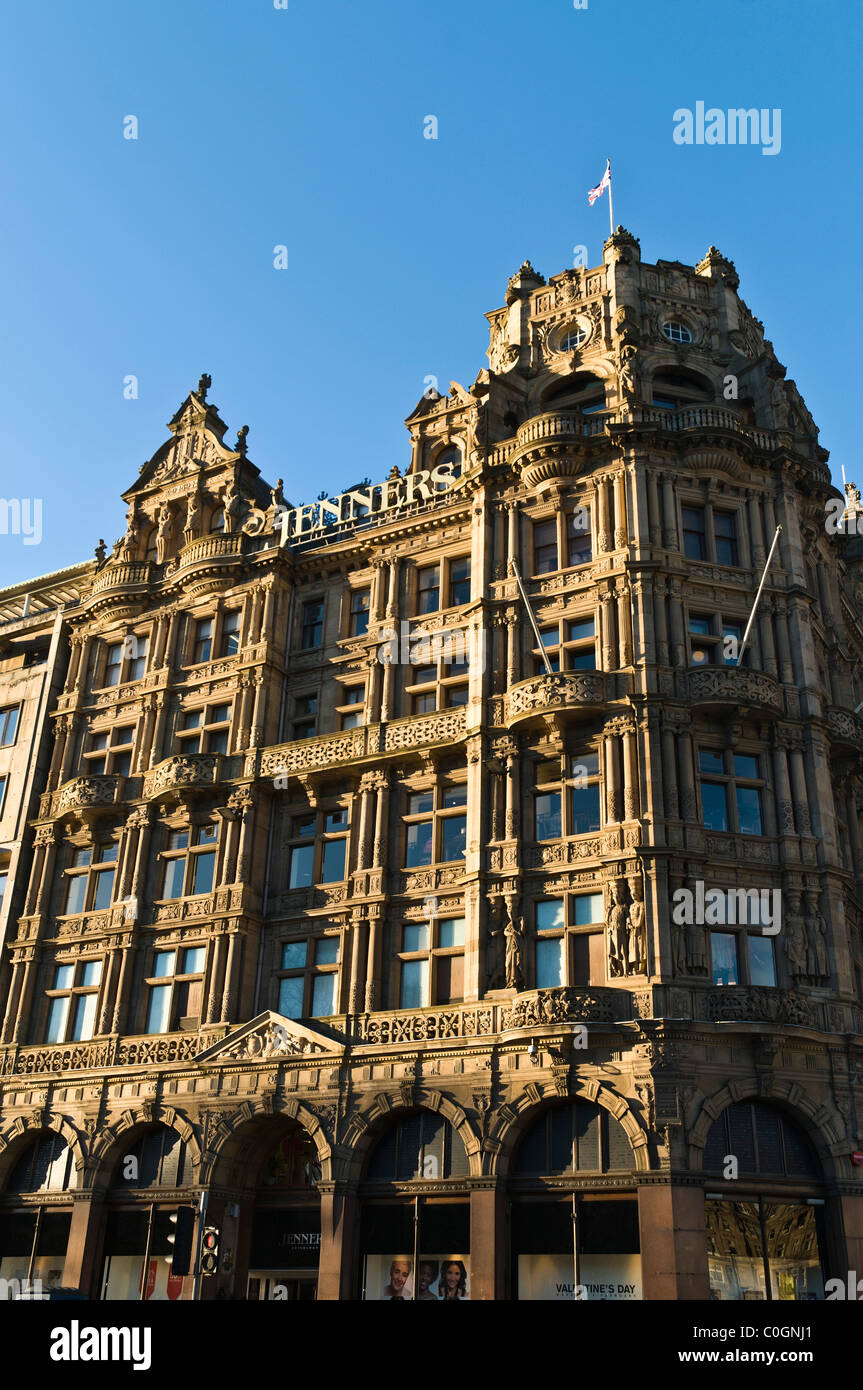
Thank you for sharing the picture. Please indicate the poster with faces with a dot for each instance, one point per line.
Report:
(436, 1279)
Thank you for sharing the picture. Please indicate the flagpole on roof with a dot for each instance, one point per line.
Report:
(610, 202)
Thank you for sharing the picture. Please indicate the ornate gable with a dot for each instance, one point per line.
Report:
(271, 1036)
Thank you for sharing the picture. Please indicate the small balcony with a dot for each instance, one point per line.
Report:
(732, 688)
(554, 693)
(121, 578)
(183, 770)
(82, 793)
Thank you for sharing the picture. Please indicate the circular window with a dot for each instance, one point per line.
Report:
(573, 339)
(677, 332)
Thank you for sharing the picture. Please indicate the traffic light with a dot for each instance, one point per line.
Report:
(210, 1250)
(183, 1221)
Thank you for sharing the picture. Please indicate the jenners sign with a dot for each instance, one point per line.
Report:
(303, 523)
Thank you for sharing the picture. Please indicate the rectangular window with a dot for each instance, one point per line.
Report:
(72, 1001)
(694, 541)
(229, 640)
(90, 879)
(308, 980)
(8, 725)
(549, 963)
(730, 792)
(113, 664)
(545, 547)
(202, 645)
(723, 950)
(547, 815)
(428, 589)
(714, 641)
(358, 624)
(432, 963)
(3, 781)
(725, 535)
(578, 539)
(312, 630)
(306, 714)
(175, 990)
(189, 862)
(206, 730)
(137, 666)
(459, 582)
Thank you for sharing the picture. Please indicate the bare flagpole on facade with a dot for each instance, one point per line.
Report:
(758, 595)
(530, 614)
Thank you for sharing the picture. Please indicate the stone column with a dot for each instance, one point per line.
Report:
(623, 594)
(228, 993)
(487, 1243)
(613, 789)
(621, 530)
(120, 1018)
(768, 647)
(669, 780)
(605, 535)
(382, 812)
(373, 959)
(786, 666)
(631, 797)
(669, 512)
(29, 961)
(355, 958)
(782, 791)
(686, 765)
(157, 749)
(106, 992)
(511, 816)
(339, 1236)
(81, 1269)
(757, 550)
(72, 724)
(269, 611)
(659, 592)
(802, 813)
(45, 889)
(216, 958)
(673, 1231)
(513, 652)
(678, 638)
(12, 1001)
(608, 635)
(654, 513)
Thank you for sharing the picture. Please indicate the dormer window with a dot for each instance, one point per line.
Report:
(676, 332)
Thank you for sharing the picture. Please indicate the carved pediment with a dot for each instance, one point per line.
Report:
(271, 1036)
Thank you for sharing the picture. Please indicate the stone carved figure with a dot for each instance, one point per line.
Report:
(627, 383)
(231, 507)
(277, 496)
(164, 531)
(130, 539)
(817, 959)
(636, 956)
(617, 922)
(495, 965)
(193, 515)
(795, 940)
(512, 935)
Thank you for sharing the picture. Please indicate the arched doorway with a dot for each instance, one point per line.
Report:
(34, 1224)
(765, 1221)
(272, 1165)
(143, 1194)
(415, 1213)
(574, 1230)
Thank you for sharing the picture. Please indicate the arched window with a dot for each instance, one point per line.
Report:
(675, 387)
(293, 1163)
(764, 1140)
(217, 519)
(45, 1166)
(452, 458)
(422, 1145)
(582, 391)
(157, 1158)
(573, 1138)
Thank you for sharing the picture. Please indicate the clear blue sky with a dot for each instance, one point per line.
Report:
(304, 127)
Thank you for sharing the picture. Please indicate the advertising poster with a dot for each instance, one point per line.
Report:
(437, 1279)
(609, 1278)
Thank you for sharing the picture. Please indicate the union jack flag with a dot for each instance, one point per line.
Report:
(604, 182)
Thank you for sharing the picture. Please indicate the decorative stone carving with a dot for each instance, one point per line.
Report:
(735, 1002)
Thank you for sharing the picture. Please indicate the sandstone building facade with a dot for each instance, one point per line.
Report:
(355, 907)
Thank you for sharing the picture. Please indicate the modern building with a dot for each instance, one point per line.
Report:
(444, 954)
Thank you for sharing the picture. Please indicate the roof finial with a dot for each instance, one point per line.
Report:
(204, 385)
